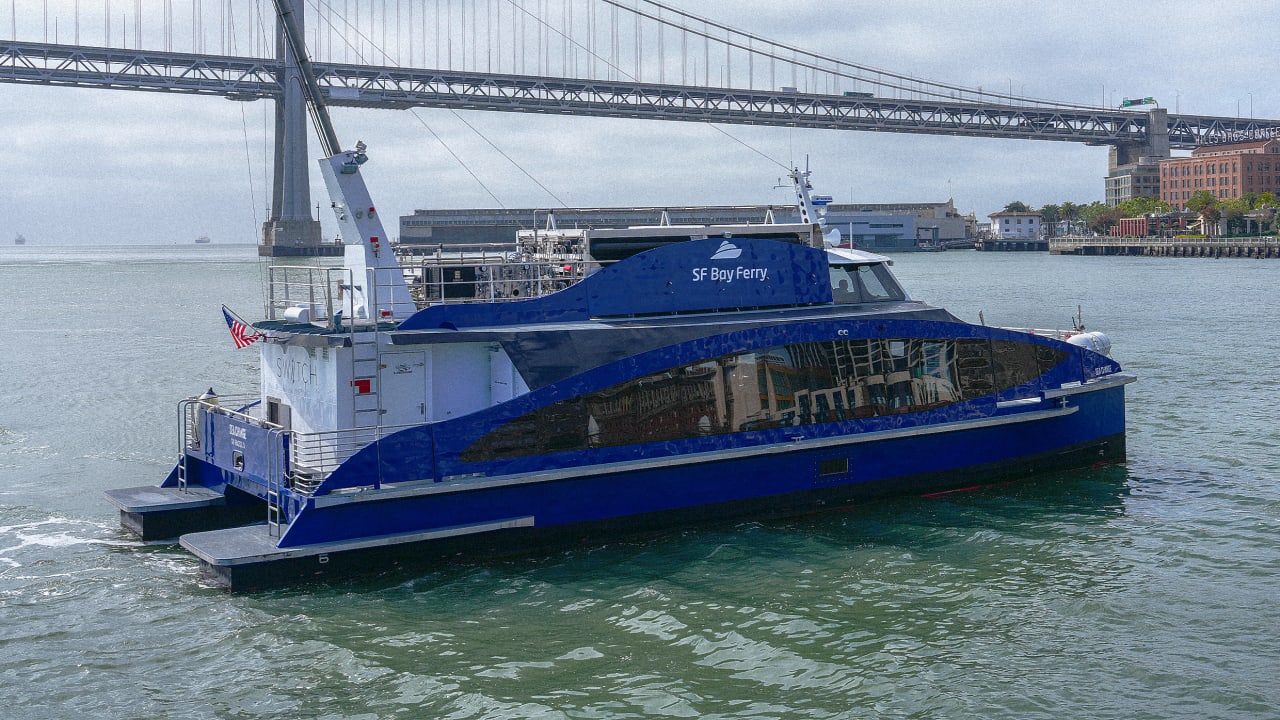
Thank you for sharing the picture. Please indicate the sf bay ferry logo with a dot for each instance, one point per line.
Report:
(727, 251)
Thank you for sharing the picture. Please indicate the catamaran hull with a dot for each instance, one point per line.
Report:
(348, 534)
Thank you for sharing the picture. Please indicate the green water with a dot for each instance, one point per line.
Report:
(1139, 591)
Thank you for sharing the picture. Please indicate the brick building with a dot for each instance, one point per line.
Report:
(1154, 225)
(1226, 171)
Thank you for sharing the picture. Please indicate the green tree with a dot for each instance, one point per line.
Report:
(1050, 215)
(1206, 205)
(1137, 207)
(1266, 202)
(1017, 206)
(1070, 212)
(1097, 216)
(1233, 218)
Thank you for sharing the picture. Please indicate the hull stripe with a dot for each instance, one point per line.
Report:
(468, 483)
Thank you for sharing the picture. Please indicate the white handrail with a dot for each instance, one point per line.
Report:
(313, 456)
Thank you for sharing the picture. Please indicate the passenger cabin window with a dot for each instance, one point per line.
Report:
(770, 388)
(863, 284)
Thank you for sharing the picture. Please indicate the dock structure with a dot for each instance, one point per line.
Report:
(1012, 244)
(1261, 246)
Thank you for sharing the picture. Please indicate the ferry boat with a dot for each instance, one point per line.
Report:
(586, 384)
(19, 240)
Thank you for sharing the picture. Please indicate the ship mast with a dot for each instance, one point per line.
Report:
(807, 204)
(378, 290)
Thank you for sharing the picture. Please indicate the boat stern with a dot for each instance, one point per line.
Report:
(231, 470)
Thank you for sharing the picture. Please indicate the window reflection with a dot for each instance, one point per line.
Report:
(863, 283)
(779, 387)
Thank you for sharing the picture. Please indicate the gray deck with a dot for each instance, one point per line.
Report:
(251, 544)
(149, 498)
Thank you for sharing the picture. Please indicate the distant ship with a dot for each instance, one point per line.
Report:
(203, 240)
(19, 240)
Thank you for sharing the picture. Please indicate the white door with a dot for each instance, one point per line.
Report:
(402, 388)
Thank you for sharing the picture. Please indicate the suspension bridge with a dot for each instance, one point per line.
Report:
(634, 59)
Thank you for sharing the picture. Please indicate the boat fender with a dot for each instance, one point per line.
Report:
(1095, 341)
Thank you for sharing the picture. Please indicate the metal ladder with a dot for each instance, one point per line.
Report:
(365, 406)
(186, 412)
(275, 481)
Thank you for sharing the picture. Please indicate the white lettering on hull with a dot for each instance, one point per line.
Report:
(728, 275)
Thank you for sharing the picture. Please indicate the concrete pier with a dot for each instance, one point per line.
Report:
(1012, 245)
(1264, 246)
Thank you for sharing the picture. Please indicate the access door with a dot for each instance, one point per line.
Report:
(402, 388)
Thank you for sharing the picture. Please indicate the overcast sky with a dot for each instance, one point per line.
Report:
(116, 166)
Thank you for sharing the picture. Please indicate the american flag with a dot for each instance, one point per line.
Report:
(242, 335)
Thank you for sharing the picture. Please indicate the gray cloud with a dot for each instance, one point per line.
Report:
(112, 166)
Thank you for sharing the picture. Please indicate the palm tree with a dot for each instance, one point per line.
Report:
(1050, 215)
(1204, 203)
(1069, 212)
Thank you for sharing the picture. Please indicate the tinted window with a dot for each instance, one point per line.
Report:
(877, 284)
(778, 387)
(864, 283)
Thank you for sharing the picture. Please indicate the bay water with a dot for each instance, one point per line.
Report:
(1142, 590)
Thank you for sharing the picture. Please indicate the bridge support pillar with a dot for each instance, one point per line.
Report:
(1133, 168)
(291, 230)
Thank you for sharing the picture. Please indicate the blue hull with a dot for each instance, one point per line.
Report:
(338, 535)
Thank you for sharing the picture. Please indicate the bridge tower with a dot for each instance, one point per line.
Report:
(291, 230)
(1133, 168)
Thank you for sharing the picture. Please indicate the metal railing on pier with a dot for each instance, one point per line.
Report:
(1256, 246)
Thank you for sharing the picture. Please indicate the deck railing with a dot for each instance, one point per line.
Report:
(240, 406)
(313, 456)
(486, 273)
(319, 291)
(1044, 332)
